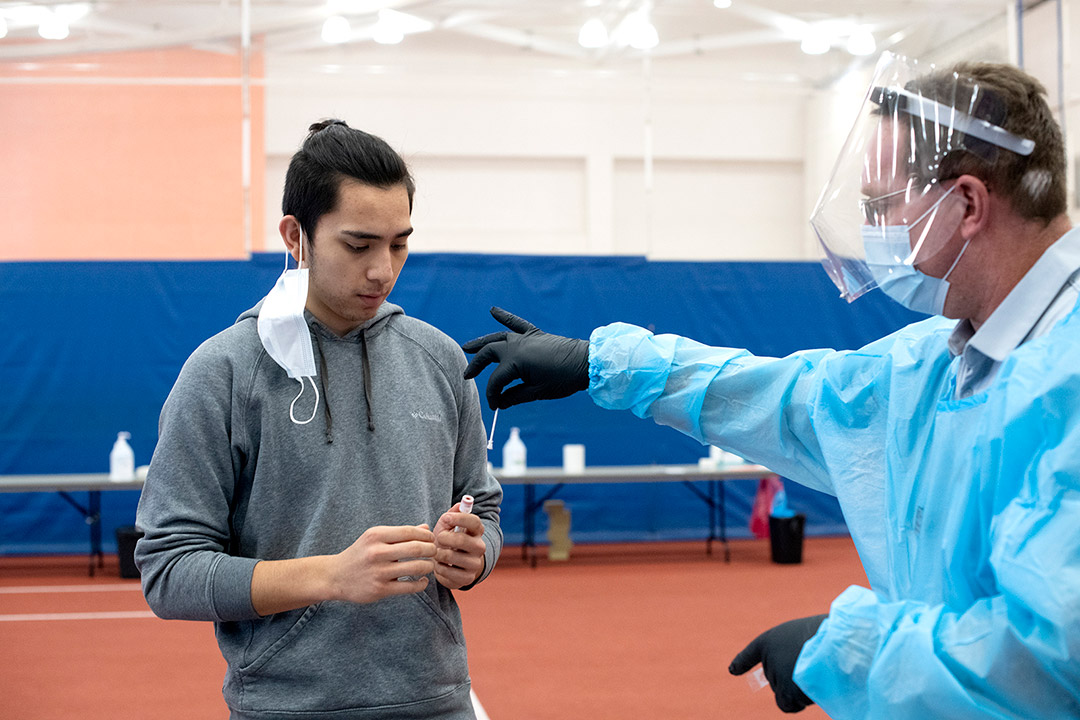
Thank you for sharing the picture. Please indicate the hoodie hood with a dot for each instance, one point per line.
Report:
(361, 335)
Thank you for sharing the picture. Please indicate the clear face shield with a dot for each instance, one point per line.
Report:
(888, 206)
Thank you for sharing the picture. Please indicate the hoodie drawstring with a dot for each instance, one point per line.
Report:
(323, 379)
(367, 380)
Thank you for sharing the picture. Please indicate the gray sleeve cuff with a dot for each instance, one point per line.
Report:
(230, 588)
(493, 541)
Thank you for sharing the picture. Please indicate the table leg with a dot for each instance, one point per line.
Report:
(714, 498)
(712, 516)
(94, 521)
(92, 517)
(723, 520)
(528, 544)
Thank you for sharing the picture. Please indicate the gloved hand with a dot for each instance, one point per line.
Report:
(777, 650)
(549, 366)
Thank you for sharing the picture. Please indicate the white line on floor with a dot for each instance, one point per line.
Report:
(26, 589)
(113, 615)
(477, 707)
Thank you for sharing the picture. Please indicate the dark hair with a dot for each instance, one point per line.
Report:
(331, 153)
(1006, 96)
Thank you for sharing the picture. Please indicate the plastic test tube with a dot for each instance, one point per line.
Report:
(466, 507)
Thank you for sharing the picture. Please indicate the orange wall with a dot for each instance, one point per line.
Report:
(94, 165)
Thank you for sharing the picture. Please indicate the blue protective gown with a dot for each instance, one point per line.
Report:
(965, 513)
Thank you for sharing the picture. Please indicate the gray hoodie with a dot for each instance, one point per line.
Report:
(396, 440)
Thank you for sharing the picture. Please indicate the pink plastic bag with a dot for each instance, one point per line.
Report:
(767, 488)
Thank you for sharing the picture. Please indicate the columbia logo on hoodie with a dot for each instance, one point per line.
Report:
(421, 415)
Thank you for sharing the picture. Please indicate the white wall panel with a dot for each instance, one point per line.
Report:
(276, 165)
(710, 210)
(518, 159)
(499, 205)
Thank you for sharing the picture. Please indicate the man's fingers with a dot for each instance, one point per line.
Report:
(748, 658)
(413, 567)
(512, 321)
(501, 376)
(790, 702)
(516, 395)
(411, 549)
(477, 343)
(406, 586)
(484, 357)
(399, 533)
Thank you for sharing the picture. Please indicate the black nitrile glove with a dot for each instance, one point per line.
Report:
(549, 366)
(777, 650)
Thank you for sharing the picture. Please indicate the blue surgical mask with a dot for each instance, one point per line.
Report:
(887, 249)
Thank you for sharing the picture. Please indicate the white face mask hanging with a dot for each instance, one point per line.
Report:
(284, 331)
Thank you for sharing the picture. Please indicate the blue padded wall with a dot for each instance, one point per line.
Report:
(91, 348)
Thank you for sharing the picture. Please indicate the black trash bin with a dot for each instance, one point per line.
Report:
(786, 538)
(126, 537)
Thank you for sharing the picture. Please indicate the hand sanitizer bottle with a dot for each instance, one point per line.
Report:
(514, 454)
(122, 459)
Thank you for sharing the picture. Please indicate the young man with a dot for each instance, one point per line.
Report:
(303, 456)
(953, 447)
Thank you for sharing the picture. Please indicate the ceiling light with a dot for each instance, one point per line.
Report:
(593, 34)
(336, 29)
(639, 31)
(3, 27)
(722, 4)
(815, 41)
(861, 42)
(386, 34)
(646, 38)
(53, 27)
(26, 14)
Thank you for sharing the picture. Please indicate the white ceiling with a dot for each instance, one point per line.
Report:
(750, 35)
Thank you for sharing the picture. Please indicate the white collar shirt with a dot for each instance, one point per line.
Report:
(1043, 297)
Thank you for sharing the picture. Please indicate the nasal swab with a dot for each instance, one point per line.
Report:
(466, 507)
(491, 438)
(756, 680)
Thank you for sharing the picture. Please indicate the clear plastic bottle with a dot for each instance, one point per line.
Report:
(122, 459)
(514, 454)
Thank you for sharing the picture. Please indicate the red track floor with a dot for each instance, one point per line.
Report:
(618, 631)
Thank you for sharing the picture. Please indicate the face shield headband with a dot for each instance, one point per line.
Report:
(890, 170)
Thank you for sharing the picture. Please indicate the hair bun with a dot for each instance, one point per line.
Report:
(323, 124)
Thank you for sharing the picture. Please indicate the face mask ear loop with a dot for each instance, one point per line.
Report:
(288, 255)
(957, 260)
(316, 388)
(910, 260)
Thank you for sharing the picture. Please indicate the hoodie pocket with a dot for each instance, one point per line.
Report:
(339, 656)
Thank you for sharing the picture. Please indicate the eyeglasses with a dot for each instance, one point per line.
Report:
(875, 207)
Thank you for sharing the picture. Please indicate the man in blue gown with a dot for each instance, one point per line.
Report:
(952, 445)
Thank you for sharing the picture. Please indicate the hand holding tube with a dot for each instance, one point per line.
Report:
(777, 650)
(549, 366)
(459, 546)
